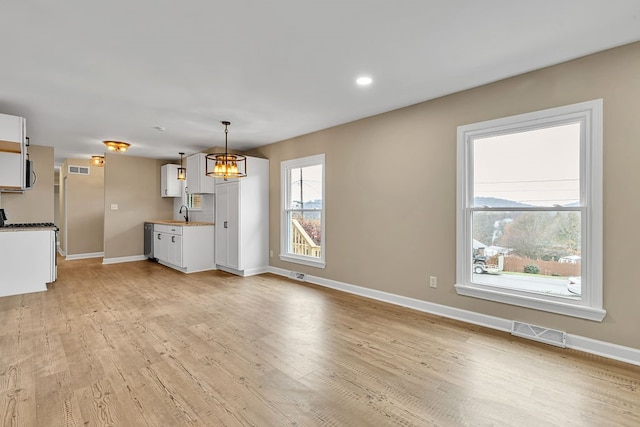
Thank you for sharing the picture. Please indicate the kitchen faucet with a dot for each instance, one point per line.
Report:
(186, 215)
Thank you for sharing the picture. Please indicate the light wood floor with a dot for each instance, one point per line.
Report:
(138, 344)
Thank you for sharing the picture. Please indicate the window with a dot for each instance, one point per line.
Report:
(302, 229)
(529, 217)
(193, 201)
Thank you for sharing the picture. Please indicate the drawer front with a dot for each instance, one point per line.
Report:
(170, 229)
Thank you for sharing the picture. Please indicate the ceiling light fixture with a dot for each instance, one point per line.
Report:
(182, 171)
(364, 81)
(226, 165)
(97, 161)
(116, 146)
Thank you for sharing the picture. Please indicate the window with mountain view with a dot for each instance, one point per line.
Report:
(302, 230)
(529, 217)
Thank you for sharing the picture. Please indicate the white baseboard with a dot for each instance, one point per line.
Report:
(577, 342)
(255, 271)
(84, 256)
(118, 260)
(245, 273)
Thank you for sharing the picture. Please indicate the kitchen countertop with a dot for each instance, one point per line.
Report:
(182, 223)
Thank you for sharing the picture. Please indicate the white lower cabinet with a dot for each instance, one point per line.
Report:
(28, 261)
(188, 248)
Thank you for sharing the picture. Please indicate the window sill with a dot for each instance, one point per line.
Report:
(311, 262)
(531, 301)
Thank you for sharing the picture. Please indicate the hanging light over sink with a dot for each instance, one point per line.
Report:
(182, 171)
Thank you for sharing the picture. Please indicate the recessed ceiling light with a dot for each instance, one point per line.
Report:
(364, 80)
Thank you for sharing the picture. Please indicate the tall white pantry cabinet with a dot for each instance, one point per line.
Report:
(242, 221)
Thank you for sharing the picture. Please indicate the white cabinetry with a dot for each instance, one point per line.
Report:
(12, 153)
(185, 248)
(170, 186)
(168, 244)
(242, 221)
(197, 180)
(29, 264)
(228, 235)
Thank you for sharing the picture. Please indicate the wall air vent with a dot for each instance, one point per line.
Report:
(79, 170)
(538, 333)
(297, 276)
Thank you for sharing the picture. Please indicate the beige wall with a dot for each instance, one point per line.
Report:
(133, 183)
(391, 185)
(82, 215)
(36, 204)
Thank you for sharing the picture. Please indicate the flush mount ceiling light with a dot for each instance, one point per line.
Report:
(226, 165)
(182, 171)
(97, 161)
(364, 81)
(116, 146)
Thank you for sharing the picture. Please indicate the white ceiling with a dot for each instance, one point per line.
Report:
(85, 71)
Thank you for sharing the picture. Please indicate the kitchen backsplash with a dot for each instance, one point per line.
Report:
(206, 214)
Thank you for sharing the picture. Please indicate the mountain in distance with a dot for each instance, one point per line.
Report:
(310, 204)
(494, 202)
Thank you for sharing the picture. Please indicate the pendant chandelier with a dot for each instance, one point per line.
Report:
(226, 165)
(182, 171)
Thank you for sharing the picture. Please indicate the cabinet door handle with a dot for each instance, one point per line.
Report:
(186, 190)
(226, 224)
(173, 239)
(159, 236)
(165, 191)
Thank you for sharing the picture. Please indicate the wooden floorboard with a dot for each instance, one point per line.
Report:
(139, 344)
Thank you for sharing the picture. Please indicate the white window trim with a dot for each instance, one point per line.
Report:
(185, 201)
(285, 167)
(590, 306)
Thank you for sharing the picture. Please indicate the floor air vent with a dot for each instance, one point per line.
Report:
(297, 276)
(538, 333)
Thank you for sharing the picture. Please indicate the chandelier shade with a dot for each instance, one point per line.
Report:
(226, 165)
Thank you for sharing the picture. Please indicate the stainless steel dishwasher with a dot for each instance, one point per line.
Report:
(148, 240)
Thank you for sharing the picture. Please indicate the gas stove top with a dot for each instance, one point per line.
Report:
(30, 225)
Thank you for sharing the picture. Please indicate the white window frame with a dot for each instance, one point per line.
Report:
(285, 182)
(590, 115)
(193, 201)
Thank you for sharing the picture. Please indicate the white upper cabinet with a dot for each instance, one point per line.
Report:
(170, 186)
(12, 128)
(12, 153)
(197, 180)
